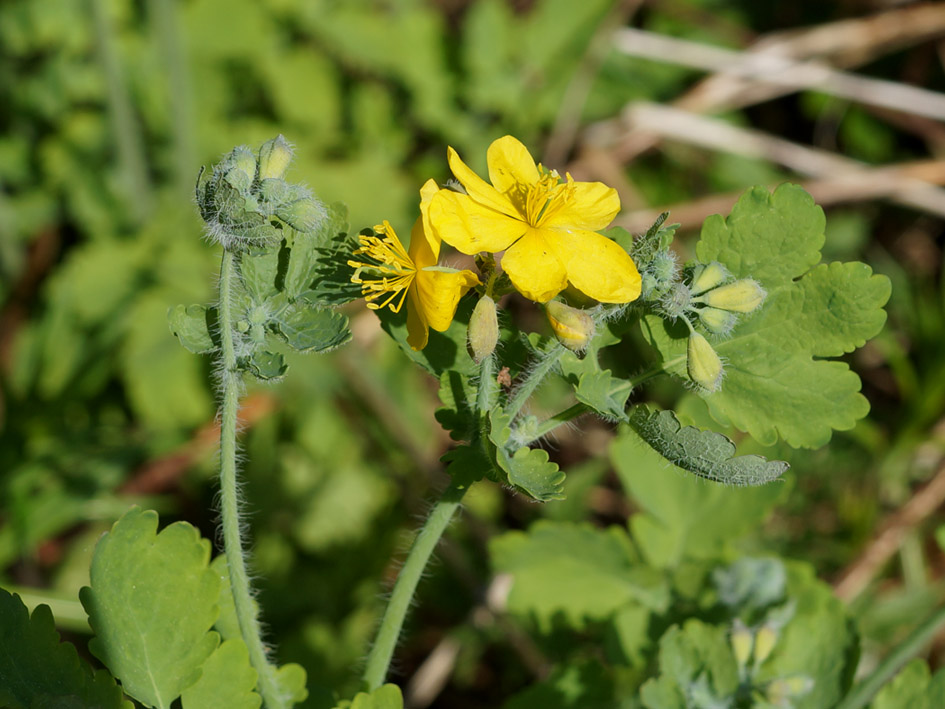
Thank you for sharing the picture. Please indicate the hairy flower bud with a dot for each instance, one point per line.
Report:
(705, 367)
(718, 322)
(742, 296)
(303, 214)
(676, 301)
(274, 158)
(243, 159)
(483, 331)
(741, 640)
(707, 276)
(573, 327)
(764, 643)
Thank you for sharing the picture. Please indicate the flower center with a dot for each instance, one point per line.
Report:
(388, 265)
(546, 197)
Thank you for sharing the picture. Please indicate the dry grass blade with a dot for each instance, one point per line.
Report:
(715, 134)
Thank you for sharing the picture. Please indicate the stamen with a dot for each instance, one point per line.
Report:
(387, 258)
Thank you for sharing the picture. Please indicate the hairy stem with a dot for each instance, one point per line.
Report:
(378, 661)
(545, 366)
(267, 684)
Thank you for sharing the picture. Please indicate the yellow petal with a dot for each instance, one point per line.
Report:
(590, 206)
(511, 168)
(477, 188)
(471, 227)
(534, 269)
(438, 291)
(429, 189)
(424, 250)
(417, 329)
(595, 265)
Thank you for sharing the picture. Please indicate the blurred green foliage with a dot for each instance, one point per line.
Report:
(108, 109)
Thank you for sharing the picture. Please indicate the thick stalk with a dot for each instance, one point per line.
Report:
(229, 499)
(378, 661)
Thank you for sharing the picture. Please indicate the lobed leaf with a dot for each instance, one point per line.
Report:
(576, 571)
(914, 687)
(151, 603)
(226, 680)
(267, 365)
(313, 329)
(36, 670)
(778, 381)
(194, 326)
(707, 454)
(528, 469)
(386, 697)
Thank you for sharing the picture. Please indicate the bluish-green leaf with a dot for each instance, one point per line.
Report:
(259, 270)
(708, 454)
(267, 365)
(151, 604)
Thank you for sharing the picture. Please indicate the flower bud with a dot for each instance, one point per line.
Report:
(705, 367)
(274, 158)
(483, 331)
(242, 159)
(303, 214)
(573, 327)
(742, 296)
(707, 276)
(676, 301)
(764, 643)
(718, 322)
(741, 643)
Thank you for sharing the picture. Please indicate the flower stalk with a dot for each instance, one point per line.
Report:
(230, 381)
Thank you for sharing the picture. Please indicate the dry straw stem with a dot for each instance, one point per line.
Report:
(863, 185)
(715, 134)
(858, 575)
(845, 44)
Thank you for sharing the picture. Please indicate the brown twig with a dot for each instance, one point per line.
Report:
(860, 186)
(858, 575)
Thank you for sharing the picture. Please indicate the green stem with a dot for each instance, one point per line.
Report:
(378, 661)
(863, 693)
(267, 683)
(544, 367)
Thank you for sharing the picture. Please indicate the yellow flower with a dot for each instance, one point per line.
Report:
(546, 228)
(432, 292)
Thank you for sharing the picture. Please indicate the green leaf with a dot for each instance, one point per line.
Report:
(468, 464)
(193, 325)
(259, 270)
(778, 378)
(267, 365)
(818, 644)
(36, 670)
(458, 415)
(313, 254)
(697, 668)
(575, 570)
(582, 685)
(914, 687)
(386, 697)
(311, 329)
(707, 454)
(684, 517)
(292, 679)
(151, 604)
(596, 390)
(528, 469)
(444, 350)
(226, 680)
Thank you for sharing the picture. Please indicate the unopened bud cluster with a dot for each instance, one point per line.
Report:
(751, 649)
(246, 200)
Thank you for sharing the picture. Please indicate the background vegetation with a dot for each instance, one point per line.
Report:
(109, 108)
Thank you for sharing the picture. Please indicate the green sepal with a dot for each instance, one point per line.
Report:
(708, 454)
(527, 469)
(266, 365)
(195, 326)
(313, 329)
(37, 671)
